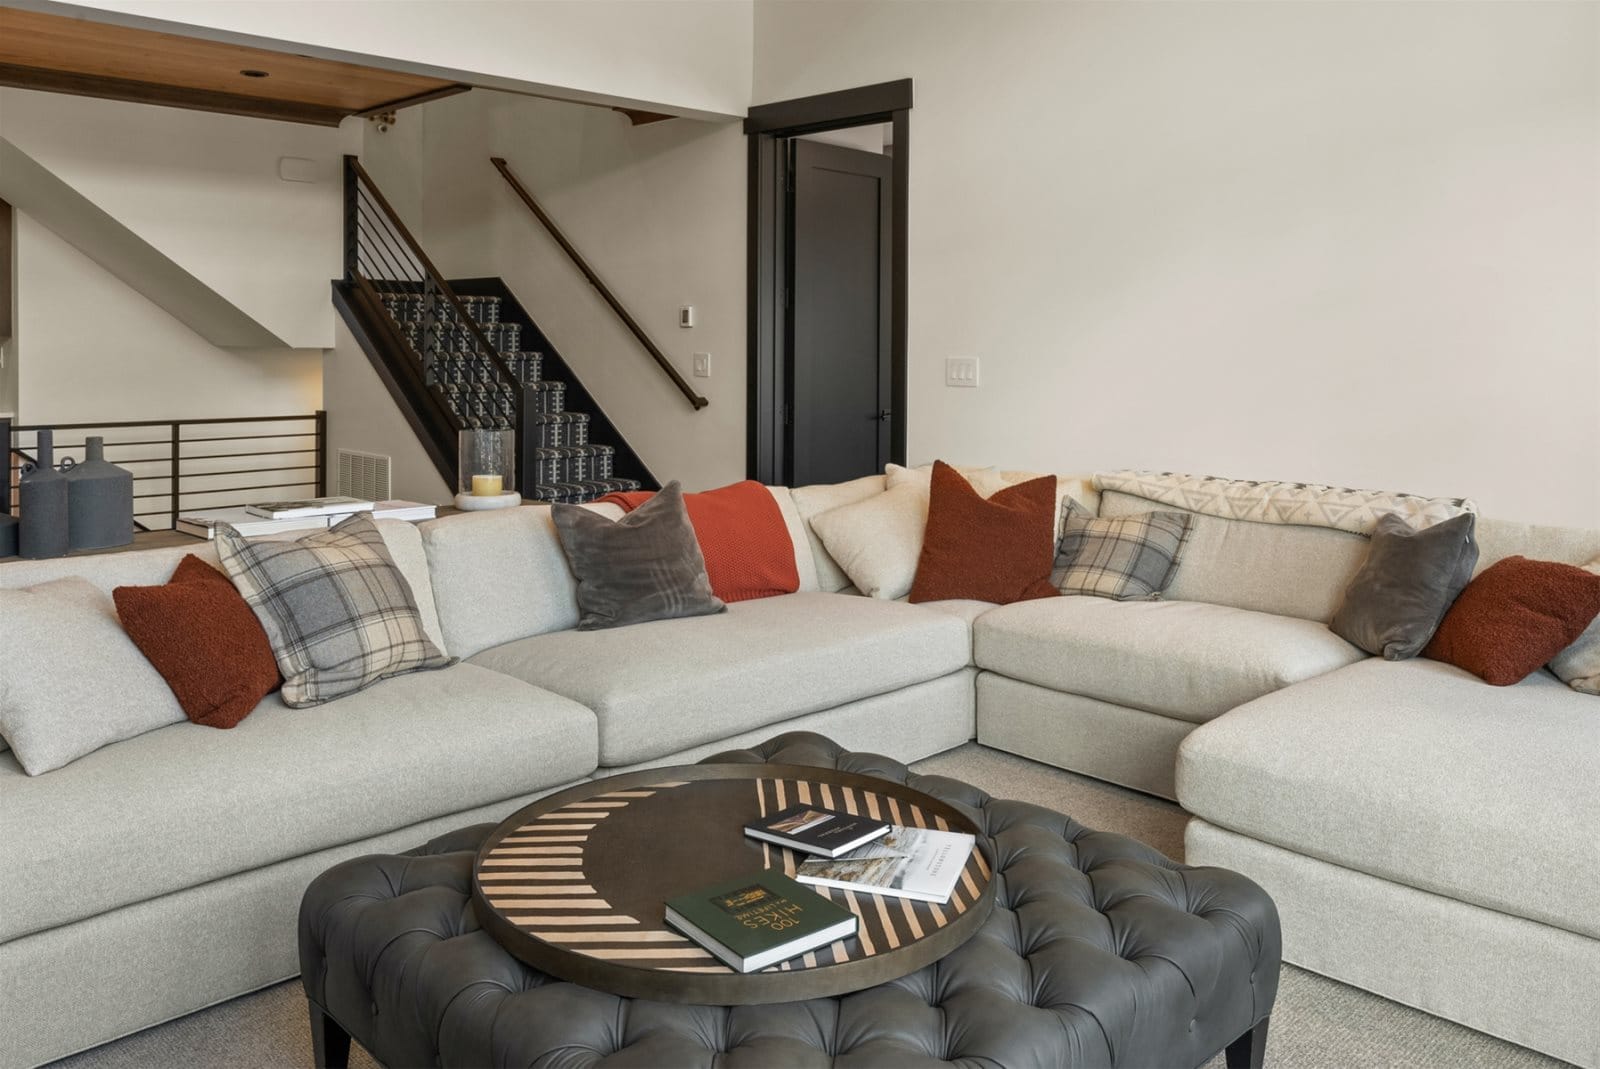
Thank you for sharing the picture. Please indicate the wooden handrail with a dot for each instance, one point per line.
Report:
(415, 248)
(594, 280)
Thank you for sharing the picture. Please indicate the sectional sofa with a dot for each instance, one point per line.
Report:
(1423, 833)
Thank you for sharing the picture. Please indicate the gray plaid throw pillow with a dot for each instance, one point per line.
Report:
(1127, 558)
(336, 609)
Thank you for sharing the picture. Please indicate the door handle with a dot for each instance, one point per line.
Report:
(882, 416)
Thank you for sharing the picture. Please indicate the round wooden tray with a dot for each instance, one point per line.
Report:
(574, 884)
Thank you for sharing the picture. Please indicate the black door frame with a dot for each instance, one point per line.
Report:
(766, 126)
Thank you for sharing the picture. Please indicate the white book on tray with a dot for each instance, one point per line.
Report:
(202, 523)
(311, 506)
(917, 863)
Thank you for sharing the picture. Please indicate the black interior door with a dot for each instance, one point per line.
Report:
(839, 366)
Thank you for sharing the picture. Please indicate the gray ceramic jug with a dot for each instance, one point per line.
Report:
(42, 503)
(99, 500)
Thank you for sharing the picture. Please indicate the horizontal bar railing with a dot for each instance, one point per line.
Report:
(606, 295)
(166, 470)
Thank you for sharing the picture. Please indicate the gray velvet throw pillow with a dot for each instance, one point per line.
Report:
(645, 566)
(1410, 578)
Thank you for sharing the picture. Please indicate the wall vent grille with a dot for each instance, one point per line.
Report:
(363, 475)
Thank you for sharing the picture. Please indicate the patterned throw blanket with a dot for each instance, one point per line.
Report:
(1301, 504)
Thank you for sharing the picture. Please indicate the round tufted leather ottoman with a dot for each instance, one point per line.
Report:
(1099, 952)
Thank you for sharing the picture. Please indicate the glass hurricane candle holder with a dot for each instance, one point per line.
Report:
(486, 469)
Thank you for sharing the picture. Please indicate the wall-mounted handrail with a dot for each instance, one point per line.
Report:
(594, 280)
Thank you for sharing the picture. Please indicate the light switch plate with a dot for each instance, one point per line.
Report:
(685, 315)
(961, 371)
(702, 365)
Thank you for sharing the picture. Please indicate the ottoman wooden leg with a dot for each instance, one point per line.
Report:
(1249, 1050)
(330, 1044)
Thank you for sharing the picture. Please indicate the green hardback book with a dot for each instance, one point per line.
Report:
(758, 920)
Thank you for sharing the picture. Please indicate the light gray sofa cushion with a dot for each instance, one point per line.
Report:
(1499, 539)
(498, 576)
(152, 567)
(665, 686)
(1265, 567)
(1419, 773)
(186, 804)
(1182, 659)
(71, 680)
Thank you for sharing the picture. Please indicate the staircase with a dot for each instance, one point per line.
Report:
(466, 355)
(566, 466)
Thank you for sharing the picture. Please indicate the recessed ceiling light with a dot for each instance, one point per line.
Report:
(254, 74)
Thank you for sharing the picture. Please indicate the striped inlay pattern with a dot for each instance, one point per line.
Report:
(534, 877)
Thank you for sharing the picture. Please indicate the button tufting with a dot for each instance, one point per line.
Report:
(1048, 941)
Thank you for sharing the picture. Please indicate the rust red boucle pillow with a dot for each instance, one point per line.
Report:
(1000, 549)
(205, 641)
(1514, 617)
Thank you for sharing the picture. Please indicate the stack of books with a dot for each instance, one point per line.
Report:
(276, 517)
(756, 921)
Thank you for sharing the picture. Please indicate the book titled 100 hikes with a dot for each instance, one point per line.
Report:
(914, 863)
(759, 920)
(814, 830)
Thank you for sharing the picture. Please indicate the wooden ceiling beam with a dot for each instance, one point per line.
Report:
(638, 117)
(414, 100)
(169, 96)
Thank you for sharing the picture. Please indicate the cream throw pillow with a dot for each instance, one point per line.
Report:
(1578, 666)
(877, 542)
(811, 502)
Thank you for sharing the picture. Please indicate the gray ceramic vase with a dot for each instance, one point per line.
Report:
(99, 500)
(42, 502)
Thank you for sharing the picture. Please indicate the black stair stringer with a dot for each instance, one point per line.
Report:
(375, 332)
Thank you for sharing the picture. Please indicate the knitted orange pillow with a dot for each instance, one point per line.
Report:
(742, 537)
(999, 550)
(1511, 620)
(205, 641)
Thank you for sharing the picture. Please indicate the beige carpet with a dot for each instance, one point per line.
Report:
(1316, 1024)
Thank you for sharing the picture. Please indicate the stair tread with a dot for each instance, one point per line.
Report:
(588, 449)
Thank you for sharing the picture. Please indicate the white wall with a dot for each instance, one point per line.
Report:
(93, 349)
(204, 190)
(1345, 242)
(363, 417)
(686, 55)
(658, 210)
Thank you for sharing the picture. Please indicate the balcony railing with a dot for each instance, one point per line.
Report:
(181, 465)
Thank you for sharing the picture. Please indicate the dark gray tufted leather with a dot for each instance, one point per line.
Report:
(1100, 951)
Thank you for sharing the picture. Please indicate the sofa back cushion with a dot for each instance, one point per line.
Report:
(1265, 567)
(153, 567)
(499, 576)
(1499, 539)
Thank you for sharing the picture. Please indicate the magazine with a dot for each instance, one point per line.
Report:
(917, 863)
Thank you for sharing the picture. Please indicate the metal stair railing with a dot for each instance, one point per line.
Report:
(385, 263)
